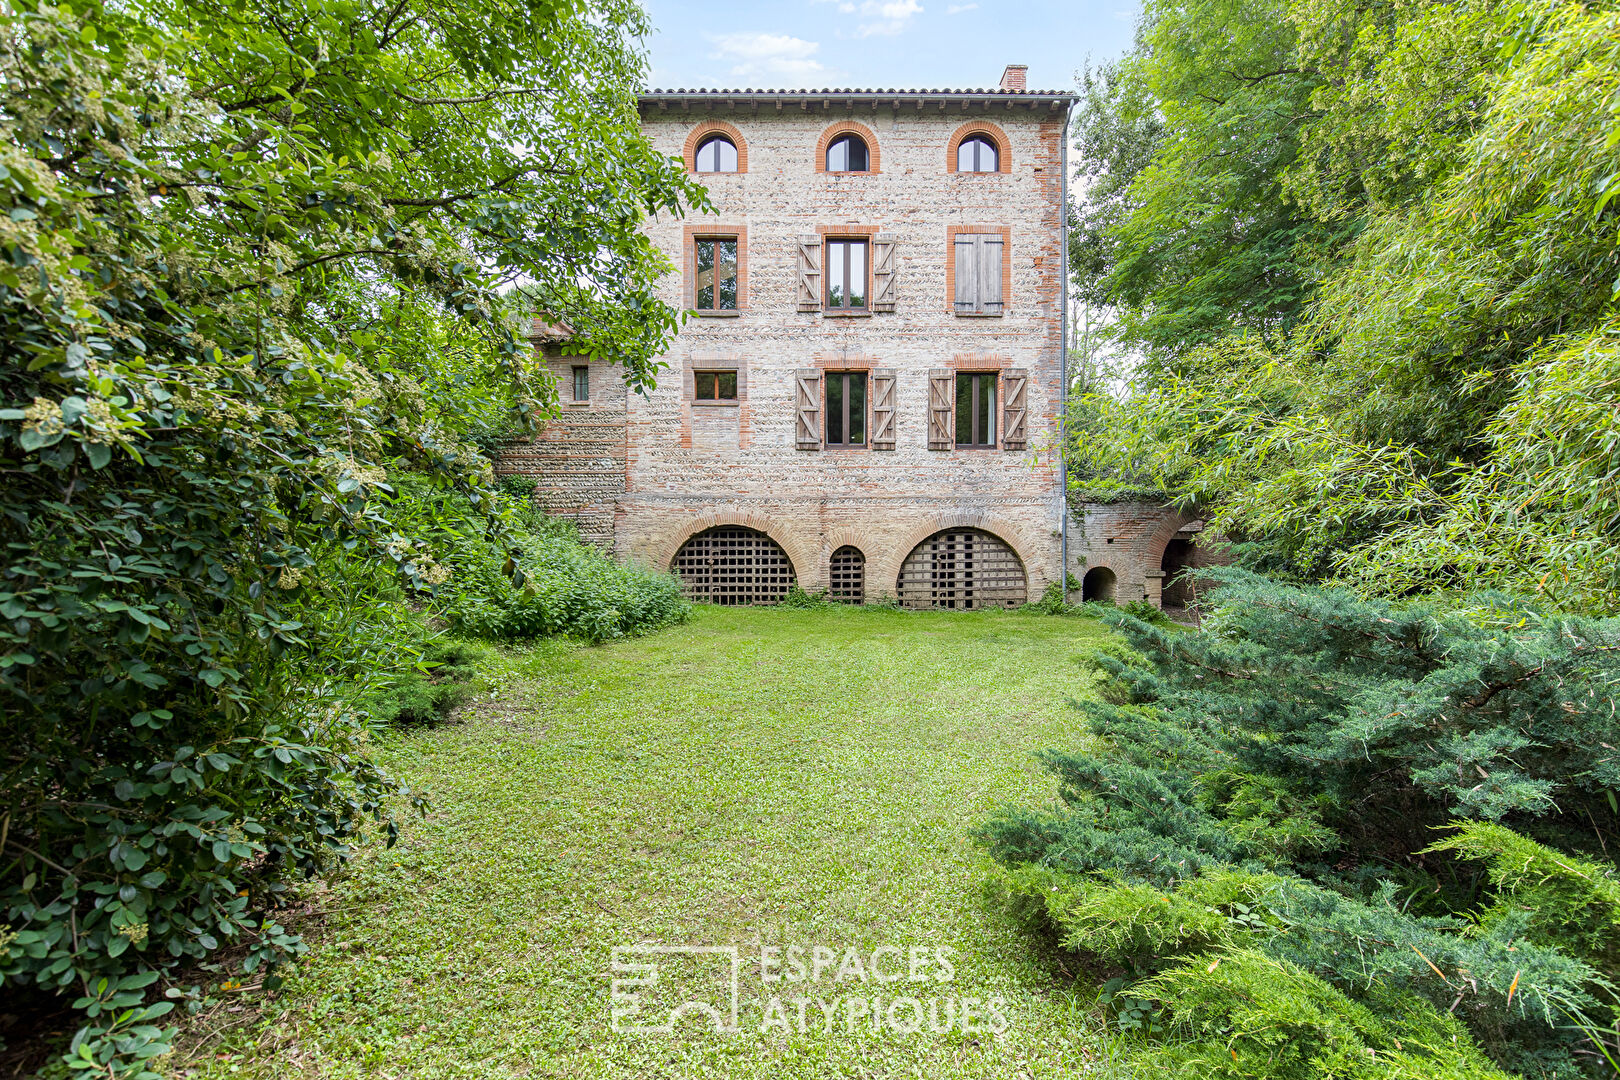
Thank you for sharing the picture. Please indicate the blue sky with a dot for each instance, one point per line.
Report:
(903, 44)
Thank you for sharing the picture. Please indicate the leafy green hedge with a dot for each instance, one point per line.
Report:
(1331, 837)
(538, 578)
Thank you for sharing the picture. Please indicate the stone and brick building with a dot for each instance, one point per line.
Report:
(866, 396)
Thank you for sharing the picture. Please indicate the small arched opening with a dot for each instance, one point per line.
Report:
(846, 575)
(1099, 585)
(961, 570)
(1177, 558)
(733, 565)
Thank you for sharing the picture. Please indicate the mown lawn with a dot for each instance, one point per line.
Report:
(757, 777)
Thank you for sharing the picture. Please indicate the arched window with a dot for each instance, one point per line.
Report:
(848, 154)
(846, 575)
(977, 154)
(717, 154)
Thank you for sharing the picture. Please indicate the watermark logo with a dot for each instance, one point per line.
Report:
(901, 990)
(641, 998)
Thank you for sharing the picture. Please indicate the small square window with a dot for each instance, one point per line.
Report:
(582, 383)
(714, 385)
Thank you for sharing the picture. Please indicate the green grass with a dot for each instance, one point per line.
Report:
(754, 777)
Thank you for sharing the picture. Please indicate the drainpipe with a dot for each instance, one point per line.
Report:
(1063, 388)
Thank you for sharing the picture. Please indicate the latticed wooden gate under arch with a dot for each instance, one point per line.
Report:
(733, 565)
(846, 575)
(961, 569)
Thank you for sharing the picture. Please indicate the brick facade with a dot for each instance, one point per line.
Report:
(643, 474)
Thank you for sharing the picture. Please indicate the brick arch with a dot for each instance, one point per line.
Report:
(806, 567)
(884, 567)
(1151, 547)
(980, 127)
(868, 544)
(715, 127)
(848, 127)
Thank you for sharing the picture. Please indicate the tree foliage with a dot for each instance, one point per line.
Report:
(1440, 414)
(241, 236)
(1331, 836)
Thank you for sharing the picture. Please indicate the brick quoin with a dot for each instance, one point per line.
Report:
(643, 474)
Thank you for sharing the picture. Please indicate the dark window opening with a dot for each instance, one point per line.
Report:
(847, 154)
(976, 409)
(1178, 586)
(582, 383)
(846, 275)
(977, 154)
(717, 154)
(846, 408)
(847, 575)
(716, 275)
(714, 385)
(1098, 584)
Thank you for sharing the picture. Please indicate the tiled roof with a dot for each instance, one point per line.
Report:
(840, 92)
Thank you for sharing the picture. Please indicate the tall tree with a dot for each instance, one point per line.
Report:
(219, 218)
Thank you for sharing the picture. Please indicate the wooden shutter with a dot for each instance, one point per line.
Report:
(883, 409)
(990, 249)
(941, 400)
(978, 273)
(809, 273)
(967, 273)
(883, 272)
(1014, 411)
(807, 406)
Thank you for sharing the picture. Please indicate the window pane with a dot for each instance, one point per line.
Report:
(703, 385)
(857, 273)
(582, 384)
(857, 407)
(835, 273)
(705, 275)
(987, 410)
(835, 408)
(857, 155)
(964, 156)
(726, 385)
(847, 154)
(726, 274)
(717, 155)
(964, 410)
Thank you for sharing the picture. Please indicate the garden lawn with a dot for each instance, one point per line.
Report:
(755, 777)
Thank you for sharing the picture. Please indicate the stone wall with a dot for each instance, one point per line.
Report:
(691, 465)
(577, 459)
(1131, 540)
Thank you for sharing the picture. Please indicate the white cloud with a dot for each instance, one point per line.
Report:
(886, 16)
(769, 60)
(957, 9)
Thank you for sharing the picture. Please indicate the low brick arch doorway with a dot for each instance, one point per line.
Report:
(733, 565)
(1099, 584)
(961, 570)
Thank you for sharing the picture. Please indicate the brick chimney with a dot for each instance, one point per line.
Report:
(1015, 77)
